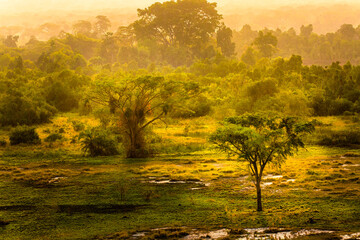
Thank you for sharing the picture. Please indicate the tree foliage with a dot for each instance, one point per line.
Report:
(181, 23)
(98, 142)
(138, 103)
(260, 140)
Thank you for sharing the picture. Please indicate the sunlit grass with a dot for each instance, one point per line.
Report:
(196, 187)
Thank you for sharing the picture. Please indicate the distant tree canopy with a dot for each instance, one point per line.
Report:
(266, 43)
(224, 41)
(321, 49)
(185, 41)
(184, 23)
(102, 25)
(82, 27)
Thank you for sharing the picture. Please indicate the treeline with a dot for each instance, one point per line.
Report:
(185, 44)
(176, 34)
(319, 49)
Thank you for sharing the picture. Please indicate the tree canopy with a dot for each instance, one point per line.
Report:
(260, 140)
(184, 23)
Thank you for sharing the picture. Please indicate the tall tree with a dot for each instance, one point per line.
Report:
(11, 41)
(306, 30)
(223, 39)
(101, 25)
(188, 23)
(266, 43)
(259, 140)
(138, 103)
(83, 27)
(347, 31)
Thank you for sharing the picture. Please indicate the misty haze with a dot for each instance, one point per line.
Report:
(180, 119)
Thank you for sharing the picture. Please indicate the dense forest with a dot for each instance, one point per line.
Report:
(73, 97)
(221, 71)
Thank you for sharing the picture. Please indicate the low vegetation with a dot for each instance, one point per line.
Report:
(88, 197)
(115, 135)
(25, 135)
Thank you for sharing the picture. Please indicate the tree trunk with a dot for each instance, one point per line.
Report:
(131, 151)
(258, 195)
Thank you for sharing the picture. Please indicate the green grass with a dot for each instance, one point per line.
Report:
(57, 193)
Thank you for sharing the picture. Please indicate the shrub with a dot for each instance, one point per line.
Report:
(97, 142)
(195, 107)
(62, 97)
(16, 110)
(344, 138)
(53, 137)
(78, 126)
(24, 134)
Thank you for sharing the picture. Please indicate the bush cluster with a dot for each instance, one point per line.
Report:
(25, 135)
(53, 137)
(98, 142)
(344, 138)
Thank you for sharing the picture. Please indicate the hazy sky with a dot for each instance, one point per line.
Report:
(36, 5)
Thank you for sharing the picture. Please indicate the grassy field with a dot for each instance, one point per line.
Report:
(52, 191)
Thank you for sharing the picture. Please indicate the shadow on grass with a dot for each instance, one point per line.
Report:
(73, 208)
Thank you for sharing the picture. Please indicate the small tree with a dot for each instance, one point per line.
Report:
(260, 140)
(137, 103)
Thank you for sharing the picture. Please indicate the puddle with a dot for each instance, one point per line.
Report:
(56, 179)
(279, 234)
(166, 181)
(350, 165)
(351, 236)
(270, 176)
(290, 180)
(171, 181)
(222, 233)
(245, 234)
(139, 235)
